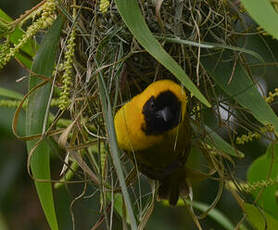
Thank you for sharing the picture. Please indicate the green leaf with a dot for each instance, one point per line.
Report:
(264, 168)
(37, 106)
(130, 13)
(10, 94)
(236, 83)
(214, 213)
(259, 219)
(214, 139)
(264, 14)
(114, 149)
(117, 203)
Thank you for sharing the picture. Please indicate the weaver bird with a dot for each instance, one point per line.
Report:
(153, 128)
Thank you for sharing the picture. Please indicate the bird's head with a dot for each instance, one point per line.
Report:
(164, 111)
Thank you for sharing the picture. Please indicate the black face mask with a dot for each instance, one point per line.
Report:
(161, 113)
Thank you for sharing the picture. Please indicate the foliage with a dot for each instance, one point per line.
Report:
(95, 55)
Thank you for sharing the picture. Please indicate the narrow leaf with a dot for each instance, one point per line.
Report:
(10, 94)
(214, 213)
(130, 13)
(264, 14)
(118, 203)
(36, 109)
(109, 122)
(259, 219)
(220, 144)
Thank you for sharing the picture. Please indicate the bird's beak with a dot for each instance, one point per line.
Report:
(165, 114)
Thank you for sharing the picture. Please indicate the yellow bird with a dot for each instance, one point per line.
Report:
(153, 128)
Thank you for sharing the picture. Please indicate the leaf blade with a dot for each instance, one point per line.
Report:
(37, 102)
(264, 14)
(114, 149)
(215, 214)
(221, 144)
(258, 218)
(10, 94)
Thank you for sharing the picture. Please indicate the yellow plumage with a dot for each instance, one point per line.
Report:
(153, 129)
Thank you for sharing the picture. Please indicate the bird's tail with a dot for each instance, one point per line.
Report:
(176, 184)
(173, 185)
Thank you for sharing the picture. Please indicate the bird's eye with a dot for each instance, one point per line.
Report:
(152, 105)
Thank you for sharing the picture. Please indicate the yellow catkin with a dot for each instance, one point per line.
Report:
(103, 159)
(254, 135)
(45, 20)
(4, 50)
(251, 187)
(104, 5)
(196, 111)
(64, 99)
(15, 103)
(11, 103)
(271, 96)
